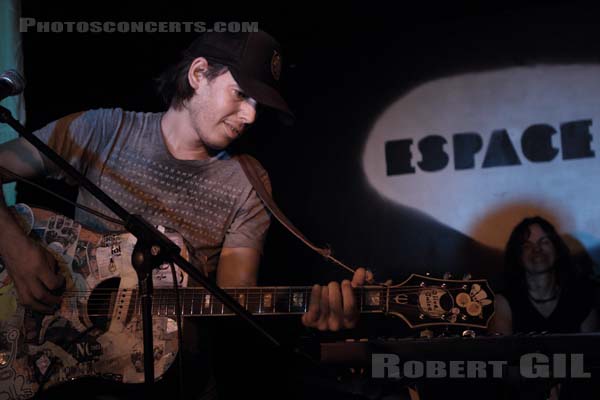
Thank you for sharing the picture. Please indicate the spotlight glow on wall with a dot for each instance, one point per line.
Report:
(480, 151)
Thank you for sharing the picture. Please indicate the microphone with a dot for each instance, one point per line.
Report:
(11, 83)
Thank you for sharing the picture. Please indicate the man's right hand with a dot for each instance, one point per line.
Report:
(31, 267)
(35, 275)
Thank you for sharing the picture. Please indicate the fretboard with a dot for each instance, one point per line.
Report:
(257, 300)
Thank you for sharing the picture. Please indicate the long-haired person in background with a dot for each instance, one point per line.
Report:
(546, 291)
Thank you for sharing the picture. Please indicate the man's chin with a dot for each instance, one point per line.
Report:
(215, 148)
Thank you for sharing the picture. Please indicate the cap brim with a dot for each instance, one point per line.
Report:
(264, 95)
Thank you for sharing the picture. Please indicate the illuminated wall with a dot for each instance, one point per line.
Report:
(480, 151)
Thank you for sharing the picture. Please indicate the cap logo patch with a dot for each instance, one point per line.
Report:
(276, 65)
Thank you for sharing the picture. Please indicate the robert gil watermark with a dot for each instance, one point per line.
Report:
(33, 25)
(532, 365)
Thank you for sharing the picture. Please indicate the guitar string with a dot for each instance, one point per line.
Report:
(225, 312)
(162, 305)
(104, 296)
(170, 297)
(268, 289)
(221, 309)
(253, 297)
(249, 298)
(369, 287)
(249, 305)
(11, 174)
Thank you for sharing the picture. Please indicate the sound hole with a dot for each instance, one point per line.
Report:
(101, 303)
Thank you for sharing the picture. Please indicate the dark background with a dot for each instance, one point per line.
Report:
(344, 64)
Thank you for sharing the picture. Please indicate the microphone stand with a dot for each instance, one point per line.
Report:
(151, 250)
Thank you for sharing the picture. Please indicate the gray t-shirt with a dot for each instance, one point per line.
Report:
(210, 203)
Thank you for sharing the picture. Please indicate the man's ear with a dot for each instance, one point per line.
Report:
(196, 72)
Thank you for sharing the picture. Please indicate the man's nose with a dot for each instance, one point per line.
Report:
(248, 111)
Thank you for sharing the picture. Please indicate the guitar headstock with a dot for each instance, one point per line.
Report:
(425, 301)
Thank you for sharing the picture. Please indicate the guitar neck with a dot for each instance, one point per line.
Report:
(257, 300)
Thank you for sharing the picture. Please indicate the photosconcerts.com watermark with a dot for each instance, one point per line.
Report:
(532, 365)
(33, 25)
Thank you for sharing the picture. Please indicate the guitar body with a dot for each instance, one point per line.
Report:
(97, 330)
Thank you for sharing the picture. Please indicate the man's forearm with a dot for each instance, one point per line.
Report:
(20, 157)
(238, 267)
(33, 269)
(12, 235)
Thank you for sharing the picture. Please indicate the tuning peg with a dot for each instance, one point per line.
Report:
(467, 277)
(469, 333)
(447, 275)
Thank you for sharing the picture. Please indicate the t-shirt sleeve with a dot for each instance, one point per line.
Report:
(79, 138)
(251, 223)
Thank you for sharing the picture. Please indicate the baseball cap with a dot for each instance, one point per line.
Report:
(254, 60)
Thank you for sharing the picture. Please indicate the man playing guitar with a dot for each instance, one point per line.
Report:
(173, 168)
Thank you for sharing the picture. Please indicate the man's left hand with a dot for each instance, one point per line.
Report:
(333, 307)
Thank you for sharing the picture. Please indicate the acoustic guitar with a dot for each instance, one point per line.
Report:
(97, 329)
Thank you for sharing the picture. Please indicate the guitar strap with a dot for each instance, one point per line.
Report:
(251, 168)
